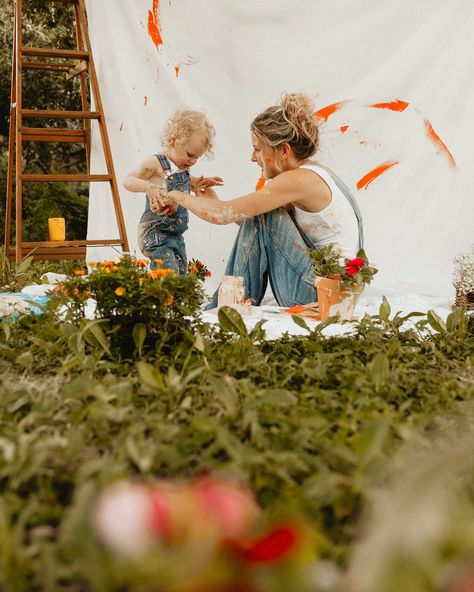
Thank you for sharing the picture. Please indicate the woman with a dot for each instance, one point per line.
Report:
(302, 205)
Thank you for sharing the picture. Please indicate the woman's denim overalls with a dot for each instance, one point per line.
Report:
(273, 248)
(161, 237)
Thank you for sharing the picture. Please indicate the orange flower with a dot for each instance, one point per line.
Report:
(108, 264)
(79, 272)
(76, 291)
(120, 291)
(140, 263)
(92, 264)
(170, 301)
(160, 272)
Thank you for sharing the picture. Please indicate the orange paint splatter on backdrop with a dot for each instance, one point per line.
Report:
(260, 184)
(145, 100)
(154, 28)
(397, 105)
(433, 136)
(326, 112)
(343, 129)
(367, 179)
(176, 69)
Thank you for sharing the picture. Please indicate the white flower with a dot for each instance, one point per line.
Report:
(463, 275)
(123, 519)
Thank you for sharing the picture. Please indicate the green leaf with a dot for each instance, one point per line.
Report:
(379, 369)
(25, 359)
(384, 310)
(94, 328)
(149, 375)
(436, 322)
(300, 322)
(198, 342)
(230, 320)
(139, 335)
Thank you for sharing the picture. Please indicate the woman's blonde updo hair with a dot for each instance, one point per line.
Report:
(292, 121)
(182, 124)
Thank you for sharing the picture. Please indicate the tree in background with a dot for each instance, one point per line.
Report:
(44, 25)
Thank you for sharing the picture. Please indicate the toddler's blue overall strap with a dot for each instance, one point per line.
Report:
(165, 164)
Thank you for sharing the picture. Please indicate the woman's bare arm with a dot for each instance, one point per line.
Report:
(281, 191)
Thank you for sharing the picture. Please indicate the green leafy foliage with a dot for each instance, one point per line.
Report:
(309, 423)
(141, 308)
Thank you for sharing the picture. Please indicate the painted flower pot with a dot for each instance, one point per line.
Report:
(334, 301)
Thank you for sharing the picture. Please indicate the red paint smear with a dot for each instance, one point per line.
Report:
(367, 179)
(145, 100)
(397, 105)
(260, 184)
(176, 69)
(121, 127)
(326, 112)
(154, 25)
(343, 129)
(433, 136)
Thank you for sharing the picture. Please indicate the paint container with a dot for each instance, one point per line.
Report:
(57, 229)
(232, 293)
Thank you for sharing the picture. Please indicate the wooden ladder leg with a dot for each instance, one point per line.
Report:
(83, 80)
(18, 139)
(10, 167)
(103, 129)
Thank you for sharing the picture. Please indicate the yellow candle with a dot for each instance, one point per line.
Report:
(57, 229)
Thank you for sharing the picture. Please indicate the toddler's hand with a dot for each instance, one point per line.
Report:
(160, 204)
(203, 185)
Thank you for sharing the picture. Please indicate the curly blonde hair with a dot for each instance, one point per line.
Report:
(182, 124)
(293, 121)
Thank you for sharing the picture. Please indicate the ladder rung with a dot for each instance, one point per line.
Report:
(72, 243)
(60, 114)
(51, 253)
(43, 66)
(47, 52)
(64, 177)
(52, 134)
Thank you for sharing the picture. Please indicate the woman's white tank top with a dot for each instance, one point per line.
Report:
(337, 223)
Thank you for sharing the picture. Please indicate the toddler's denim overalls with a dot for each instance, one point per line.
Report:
(161, 237)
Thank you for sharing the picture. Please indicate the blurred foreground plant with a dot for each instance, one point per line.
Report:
(207, 534)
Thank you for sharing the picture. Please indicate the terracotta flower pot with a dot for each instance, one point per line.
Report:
(334, 301)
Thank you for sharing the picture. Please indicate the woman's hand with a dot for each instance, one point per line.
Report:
(159, 205)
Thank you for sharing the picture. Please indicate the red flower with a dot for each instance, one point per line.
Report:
(208, 273)
(354, 265)
(273, 546)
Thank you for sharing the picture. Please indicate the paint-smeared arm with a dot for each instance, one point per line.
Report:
(276, 194)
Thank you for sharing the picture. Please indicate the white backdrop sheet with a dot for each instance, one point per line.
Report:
(393, 89)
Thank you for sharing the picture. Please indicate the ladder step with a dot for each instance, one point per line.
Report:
(50, 253)
(71, 243)
(52, 134)
(40, 113)
(64, 177)
(43, 66)
(47, 52)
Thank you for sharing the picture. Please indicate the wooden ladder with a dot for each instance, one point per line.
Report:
(80, 61)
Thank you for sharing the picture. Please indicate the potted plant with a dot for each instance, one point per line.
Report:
(339, 281)
(463, 278)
